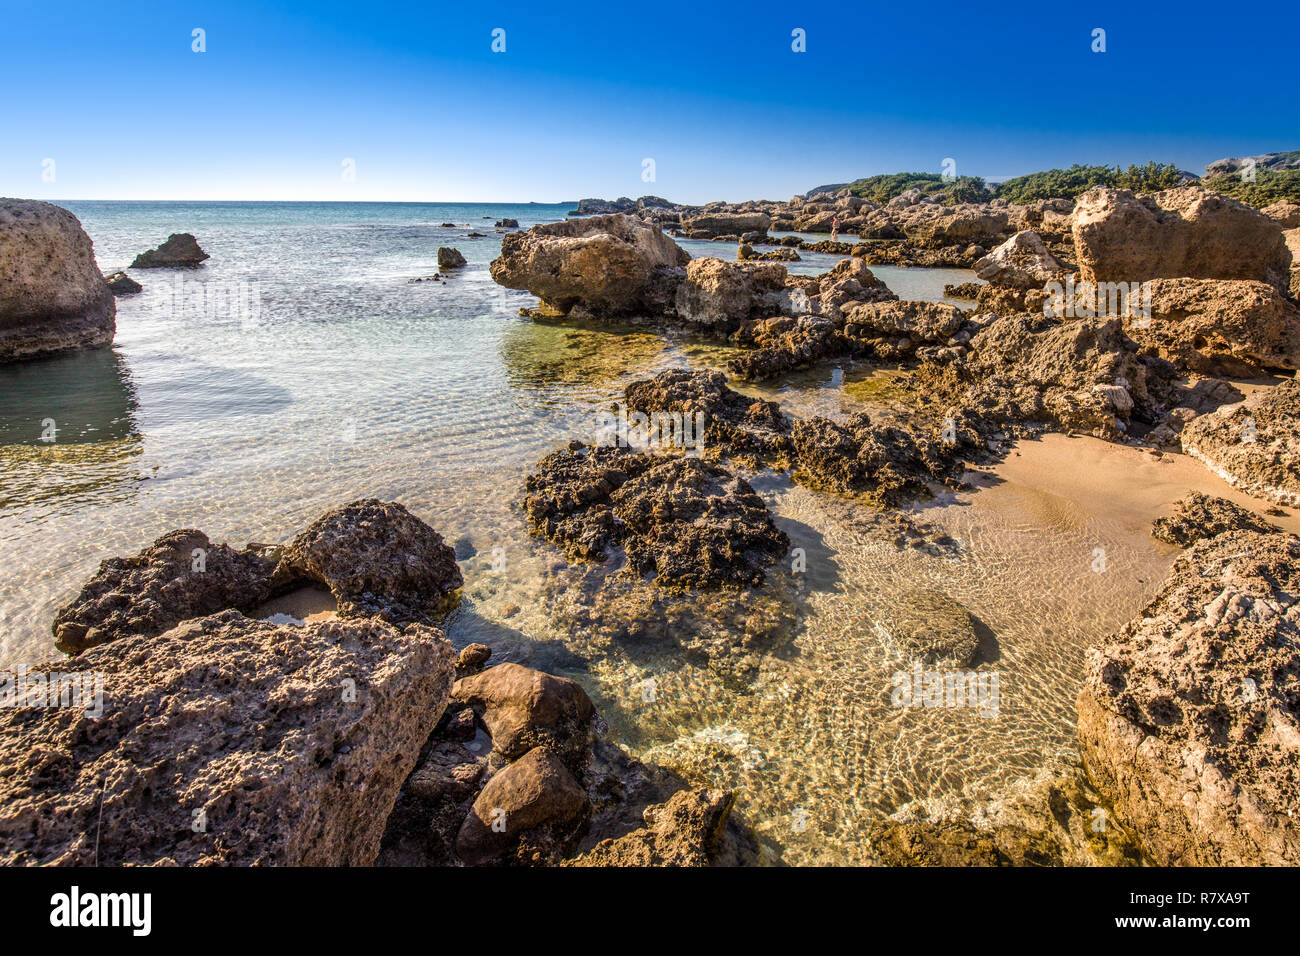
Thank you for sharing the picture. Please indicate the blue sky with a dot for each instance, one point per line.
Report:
(584, 93)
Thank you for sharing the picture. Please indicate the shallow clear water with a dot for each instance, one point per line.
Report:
(349, 381)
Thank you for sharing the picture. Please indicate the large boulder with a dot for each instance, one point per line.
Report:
(180, 251)
(1234, 327)
(722, 294)
(709, 224)
(1253, 445)
(53, 297)
(610, 265)
(1120, 237)
(535, 793)
(182, 575)
(1188, 717)
(224, 741)
(1022, 262)
(449, 258)
(524, 708)
(376, 558)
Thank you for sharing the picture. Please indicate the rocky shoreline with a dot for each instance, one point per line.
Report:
(364, 739)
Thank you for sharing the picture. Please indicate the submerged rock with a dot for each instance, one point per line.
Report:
(926, 625)
(225, 741)
(1254, 445)
(180, 251)
(1188, 718)
(1199, 516)
(376, 558)
(182, 575)
(449, 258)
(688, 830)
(1120, 237)
(610, 265)
(53, 297)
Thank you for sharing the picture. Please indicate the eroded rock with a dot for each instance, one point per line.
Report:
(287, 743)
(180, 251)
(1199, 516)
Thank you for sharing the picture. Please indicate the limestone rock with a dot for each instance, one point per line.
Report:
(53, 297)
(224, 741)
(180, 251)
(1188, 718)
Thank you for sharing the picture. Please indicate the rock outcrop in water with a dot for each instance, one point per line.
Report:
(53, 297)
(547, 787)
(449, 258)
(375, 557)
(1188, 718)
(123, 284)
(1199, 516)
(1254, 445)
(225, 741)
(182, 575)
(1183, 232)
(612, 265)
(180, 251)
(685, 521)
(378, 559)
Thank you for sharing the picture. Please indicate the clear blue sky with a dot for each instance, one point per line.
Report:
(413, 93)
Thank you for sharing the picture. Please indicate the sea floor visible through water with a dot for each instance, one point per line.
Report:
(349, 381)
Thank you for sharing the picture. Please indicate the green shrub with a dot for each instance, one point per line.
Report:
(881, 189)
(1069, 183)
(1270, 186)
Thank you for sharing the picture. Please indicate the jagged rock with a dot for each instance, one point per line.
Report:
(507, 224)
(1188, 717)
(53, 297)
(1285, 214)
(709, 225)
(918, 322)
(1032, 368)
(1219, 326)
(890, 464)
(376, 558)
(1254, 445)
(180, 251)
(1022, 262)
(610, 265)
(123, 284)
(1120, 237)
(688, 522)
(449, 258)
(182, 575)
(688, 830)
(224, 741)
(524, 708)
(779, 344)
(1198, 516)
(537, 797)
(959, 843)
(849, 283)
(733, 424)
(720, 293)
